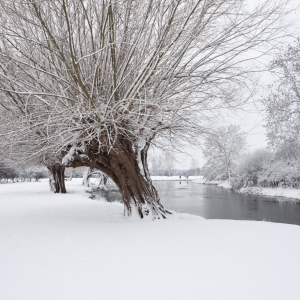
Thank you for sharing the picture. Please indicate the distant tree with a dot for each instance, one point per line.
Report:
(156, 164)
(194, 167)
(162, 164)
(30, 173)
(283, 103)
(283, 117)
(7, 173)
(168, 164)
(222, 150)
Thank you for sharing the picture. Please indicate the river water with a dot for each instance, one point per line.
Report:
(212, 202)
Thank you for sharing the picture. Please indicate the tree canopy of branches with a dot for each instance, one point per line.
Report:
(99, 82)
(222, 151)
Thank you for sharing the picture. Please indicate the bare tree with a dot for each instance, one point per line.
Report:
(194, 167)
(156, 164)
(222, 150)
(168, 164)
(102, 81)
(283, 102)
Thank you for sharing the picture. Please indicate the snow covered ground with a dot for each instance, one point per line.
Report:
(63, 247)
(226, 185)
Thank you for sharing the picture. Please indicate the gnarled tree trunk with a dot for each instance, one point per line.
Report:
(121, 165)
(57, 178)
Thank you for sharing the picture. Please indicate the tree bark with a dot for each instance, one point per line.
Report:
(121, 165)
(57, 178)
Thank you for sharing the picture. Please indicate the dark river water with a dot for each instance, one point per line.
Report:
(212, 202)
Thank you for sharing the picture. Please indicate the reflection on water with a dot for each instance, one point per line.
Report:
(212, 202)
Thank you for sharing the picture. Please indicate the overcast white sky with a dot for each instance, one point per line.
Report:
(251, 122)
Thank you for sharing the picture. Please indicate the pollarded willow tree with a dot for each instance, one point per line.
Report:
(104, 80)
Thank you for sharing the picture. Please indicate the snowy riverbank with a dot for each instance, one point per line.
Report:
(287, 194)
(55, 246)
(224, 184)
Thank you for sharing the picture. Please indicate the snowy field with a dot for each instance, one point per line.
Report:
(70, 247)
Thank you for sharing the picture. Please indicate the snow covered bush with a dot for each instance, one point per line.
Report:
(285, 169)
(7, 174)
(13, 173)
(251, 168)
(265, 168)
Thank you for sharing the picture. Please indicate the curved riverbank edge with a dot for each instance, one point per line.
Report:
(287, 194)
(224, 184)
